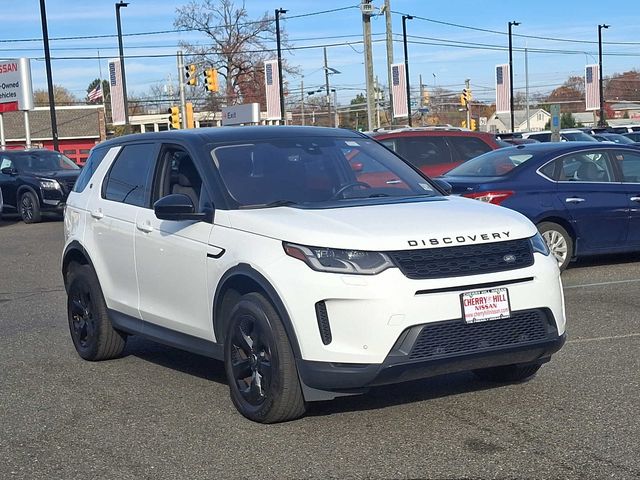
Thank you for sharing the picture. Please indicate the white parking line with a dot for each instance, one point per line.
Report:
(614, 282)
(600, 339)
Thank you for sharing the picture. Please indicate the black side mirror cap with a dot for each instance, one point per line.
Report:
(177, 206)
(9, 171)
(444, 185)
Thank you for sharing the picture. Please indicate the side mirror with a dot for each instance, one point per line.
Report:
(9, 171)
(444, 185)
(177, 206)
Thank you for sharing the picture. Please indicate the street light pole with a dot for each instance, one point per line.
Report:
(406, 64)
(120, 5)
(47, 57)
(511, 24)
(283, 117)
(602, 122)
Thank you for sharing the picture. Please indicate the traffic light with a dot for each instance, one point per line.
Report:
(466, 97)
(189, 112)
(174, 117)
(211, 79)
(190, 75)
(463, 100)
(463, 124)
(473, 124)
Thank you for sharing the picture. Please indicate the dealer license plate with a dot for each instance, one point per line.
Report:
(485, 305)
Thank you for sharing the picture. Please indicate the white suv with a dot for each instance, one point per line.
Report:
(315, 262)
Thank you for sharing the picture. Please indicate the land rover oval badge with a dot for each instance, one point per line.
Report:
(510, 258)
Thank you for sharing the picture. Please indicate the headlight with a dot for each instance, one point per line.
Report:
(49, 185)
(339, 261)
(539, 245)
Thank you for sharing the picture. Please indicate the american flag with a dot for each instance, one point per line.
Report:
(592, 87)
(117, 98)
(399, 90)
(272, 89)
(95, 94)
(503, 89)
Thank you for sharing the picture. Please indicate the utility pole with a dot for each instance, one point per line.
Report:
(511, 24)
(183, 103)
(367, 10)
(326, 84)
(421, 100)
(406, 64)
(388, 24)
(467, 85)
(120, 5)
(47, 58)
(302, 104)
(526, 89)
(603, 122)
(283, 115)
(378, 99)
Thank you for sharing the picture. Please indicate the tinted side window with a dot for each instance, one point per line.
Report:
(389, 143)
(95, 159)
(128, 180)
(587, 166)
(549, 170)
(468, 147)
(424, 151)
(629, 164)
(541, 137)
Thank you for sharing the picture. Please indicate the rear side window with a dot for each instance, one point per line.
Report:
(630, 165)
(423, 151)
(468, 147)
(129, 180)
(492, 164)
(94, 160)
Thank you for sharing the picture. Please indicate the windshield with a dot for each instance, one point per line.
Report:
(614, 137)
(42, 162)
(578, 137)
(492, 164)
(316, 172)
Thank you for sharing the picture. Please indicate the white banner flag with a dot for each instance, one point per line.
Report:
(272, 89)
(399, 90)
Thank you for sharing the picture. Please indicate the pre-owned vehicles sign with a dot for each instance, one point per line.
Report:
(15, 85)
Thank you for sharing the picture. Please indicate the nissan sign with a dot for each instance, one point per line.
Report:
(15, 85)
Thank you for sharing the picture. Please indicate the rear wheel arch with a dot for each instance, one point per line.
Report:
(74, 253)
(239, 281)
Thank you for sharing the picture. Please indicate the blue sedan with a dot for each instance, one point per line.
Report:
(584, 197)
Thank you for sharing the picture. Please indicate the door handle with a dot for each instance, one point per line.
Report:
(144, 227)
(97, 214)
(635, 199)
(574, 200)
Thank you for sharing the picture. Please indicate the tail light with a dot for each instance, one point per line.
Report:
(494, 196)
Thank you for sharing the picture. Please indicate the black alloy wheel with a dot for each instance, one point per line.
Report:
(251, 359)
(259, 362)
(82, 321)
(91, 330)
(29, 208)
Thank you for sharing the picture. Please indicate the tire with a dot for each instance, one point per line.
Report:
(507, 373)
(30, 208)
(259, 363)
(91, 330)
(559, 242)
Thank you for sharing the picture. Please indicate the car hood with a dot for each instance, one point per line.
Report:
(435, 222)
(55, 174)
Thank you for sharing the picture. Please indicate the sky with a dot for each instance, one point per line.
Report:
(474, 56)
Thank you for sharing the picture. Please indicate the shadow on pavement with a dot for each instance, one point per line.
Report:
(376, 398)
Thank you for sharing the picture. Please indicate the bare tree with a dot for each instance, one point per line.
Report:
(238, 45)
(61, 96)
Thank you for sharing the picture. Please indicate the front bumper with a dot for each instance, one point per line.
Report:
(420, 352)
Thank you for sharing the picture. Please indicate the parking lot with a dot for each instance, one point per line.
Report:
(162, 413)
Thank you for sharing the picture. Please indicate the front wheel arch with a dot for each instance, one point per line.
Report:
(238, 281)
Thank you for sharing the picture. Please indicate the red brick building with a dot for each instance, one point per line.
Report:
(79, 129)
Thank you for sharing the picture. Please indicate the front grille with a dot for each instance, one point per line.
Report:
(455, 337)
(323, 322)
(463, 260)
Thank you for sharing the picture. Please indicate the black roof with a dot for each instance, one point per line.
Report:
(235, 134)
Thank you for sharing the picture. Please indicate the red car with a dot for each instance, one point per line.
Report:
(436, 150)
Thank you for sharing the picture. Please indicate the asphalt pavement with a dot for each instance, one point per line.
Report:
(162, 413)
